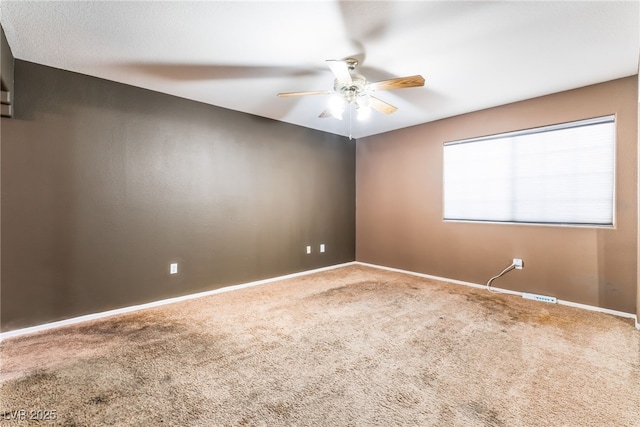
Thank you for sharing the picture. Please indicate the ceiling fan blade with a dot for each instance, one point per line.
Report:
(398, 83)
(313, 92)
(380, 105)
(340, 69)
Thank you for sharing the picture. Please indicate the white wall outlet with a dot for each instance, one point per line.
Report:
(322, 247)
(308, 249)
(173, 268)
(518, 263)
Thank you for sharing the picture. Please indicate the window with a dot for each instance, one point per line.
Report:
(560, 174)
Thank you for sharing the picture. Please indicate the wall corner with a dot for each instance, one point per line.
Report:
(6, 76)
(638, 203)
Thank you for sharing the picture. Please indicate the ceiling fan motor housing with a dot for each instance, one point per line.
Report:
(350, 91)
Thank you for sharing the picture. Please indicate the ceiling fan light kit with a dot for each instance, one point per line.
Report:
(352, 88)
(336, 105)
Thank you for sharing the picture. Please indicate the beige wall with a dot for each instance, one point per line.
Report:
(399, 206)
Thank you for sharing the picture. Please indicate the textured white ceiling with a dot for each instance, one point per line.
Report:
(239, 54)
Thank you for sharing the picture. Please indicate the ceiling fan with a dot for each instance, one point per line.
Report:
(351, 87)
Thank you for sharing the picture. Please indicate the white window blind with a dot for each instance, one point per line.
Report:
(560, 174)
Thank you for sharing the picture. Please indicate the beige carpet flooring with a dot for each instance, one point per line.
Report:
(354, 346)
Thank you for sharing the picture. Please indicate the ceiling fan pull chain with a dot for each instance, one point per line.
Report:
(350, 105)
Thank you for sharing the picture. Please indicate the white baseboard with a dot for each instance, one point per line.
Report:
(100, 315)
(506, 291)
(94, 316)
(599, 309)
(443, 279)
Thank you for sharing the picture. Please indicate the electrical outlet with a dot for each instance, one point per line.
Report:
(518, 263)
(308, 250)
(322, 248)
(173, 268)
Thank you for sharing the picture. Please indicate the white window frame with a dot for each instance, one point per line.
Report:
(463, 170)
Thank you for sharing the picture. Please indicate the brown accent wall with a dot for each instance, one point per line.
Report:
(399, 206)
(103, 185)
